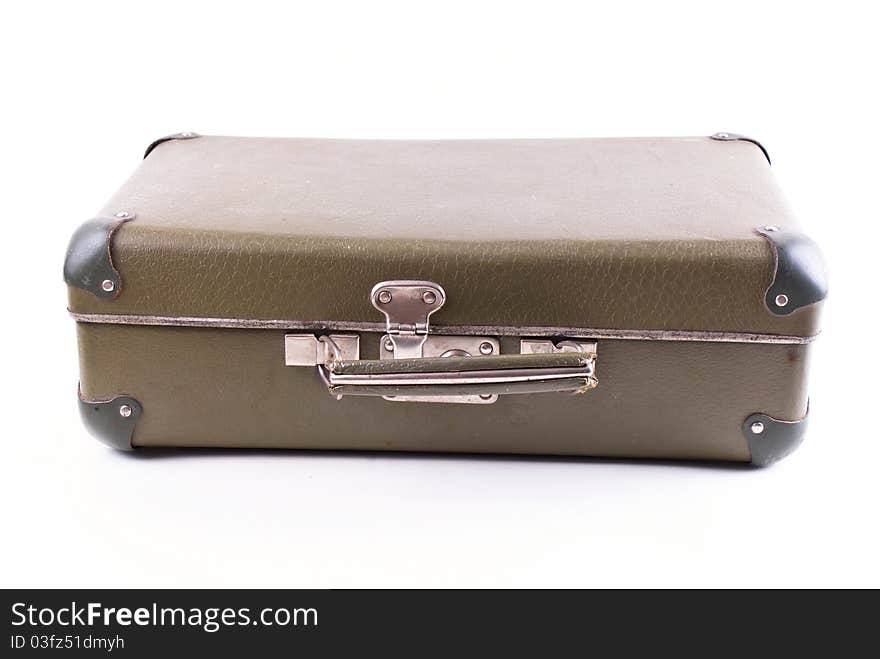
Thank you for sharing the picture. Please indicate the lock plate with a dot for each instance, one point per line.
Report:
(447, 346)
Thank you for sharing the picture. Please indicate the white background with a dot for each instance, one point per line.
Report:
(85, 87)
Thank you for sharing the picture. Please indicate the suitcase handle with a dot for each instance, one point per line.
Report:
(461, 376)
(454, 377)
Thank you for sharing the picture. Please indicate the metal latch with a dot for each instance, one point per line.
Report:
(311, 350)
(546, 346)
(407, 306)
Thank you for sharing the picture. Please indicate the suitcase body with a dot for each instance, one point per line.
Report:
(649, 298)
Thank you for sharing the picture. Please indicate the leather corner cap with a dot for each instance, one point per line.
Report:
(88, 264)
(736, 137)
(799, 275)
(111, 421)
(187, 135)
(772, 439)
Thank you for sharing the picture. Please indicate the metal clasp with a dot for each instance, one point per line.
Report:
(547, 346)
(311, 350)
(407, 306)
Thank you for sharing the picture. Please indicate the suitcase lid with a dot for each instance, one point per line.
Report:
(640, 238)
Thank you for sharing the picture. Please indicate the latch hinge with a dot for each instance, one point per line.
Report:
(407, 307)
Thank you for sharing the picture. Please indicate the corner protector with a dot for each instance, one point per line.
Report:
(187, 135)
(735, 137)
(799, 277)
(111, 421)
(772, 439)
(89, 261)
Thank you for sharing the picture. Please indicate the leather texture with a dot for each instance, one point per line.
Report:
(202, 387)
(648, 233)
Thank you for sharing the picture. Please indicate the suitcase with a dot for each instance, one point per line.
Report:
(626, 298)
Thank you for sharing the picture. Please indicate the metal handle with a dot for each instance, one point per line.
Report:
(461, 376)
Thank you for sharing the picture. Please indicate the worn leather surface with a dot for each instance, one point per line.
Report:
(650, 233)
(229, 387)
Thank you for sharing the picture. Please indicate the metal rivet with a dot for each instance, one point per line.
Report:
(781, 300)
(389, 345)
(723, 136)
(108, 285)
(771, 227)
(486, 348)
(384, 297)
(486, 396)
(757, 428)
(188, 134)
(123, 215)
(124, 411)
(429, 297)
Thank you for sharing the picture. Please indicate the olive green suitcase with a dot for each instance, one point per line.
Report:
(645, 297)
